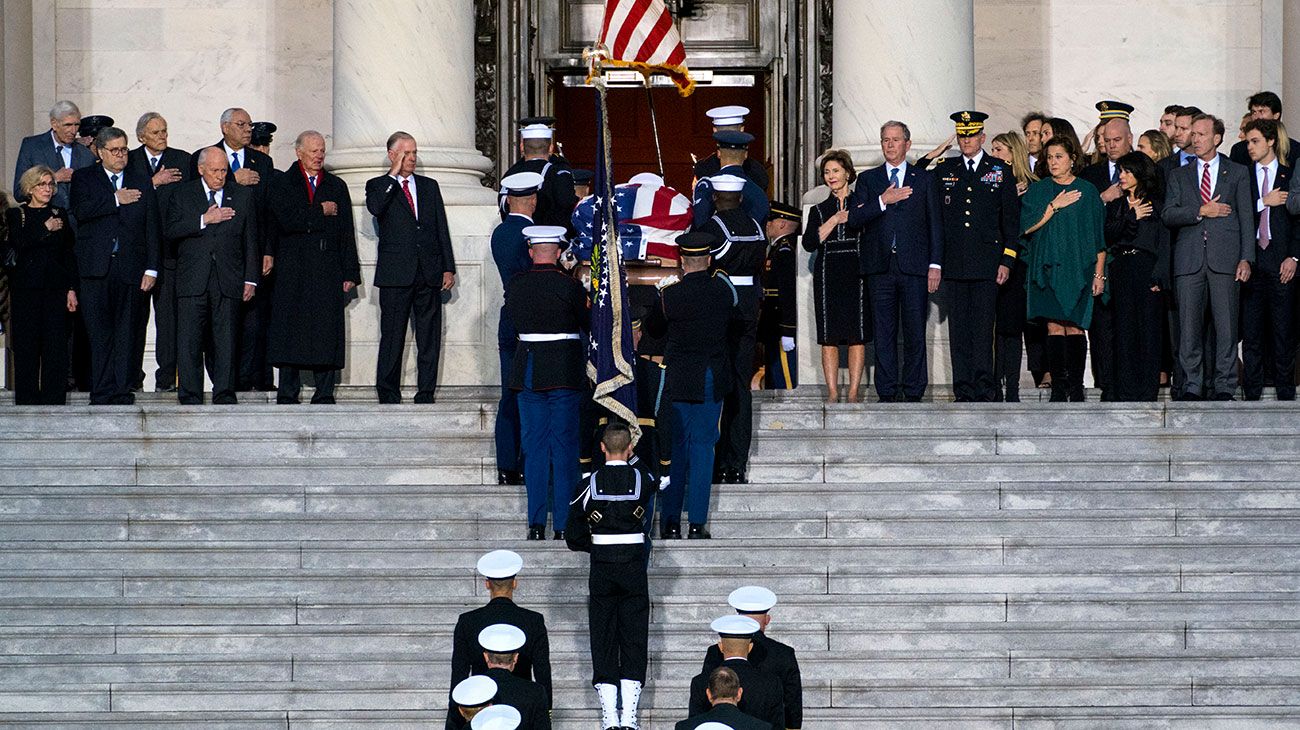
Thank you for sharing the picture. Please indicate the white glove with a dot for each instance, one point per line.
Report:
(787, 344)
(664, 481)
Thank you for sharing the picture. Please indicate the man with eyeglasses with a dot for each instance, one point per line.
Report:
(57, 149)
(118, 256)
(253, 170)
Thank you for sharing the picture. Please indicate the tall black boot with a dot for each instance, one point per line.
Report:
(1057, 366)
(1009, 353)
(1077, 358)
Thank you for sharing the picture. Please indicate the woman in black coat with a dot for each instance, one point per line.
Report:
(42, 286)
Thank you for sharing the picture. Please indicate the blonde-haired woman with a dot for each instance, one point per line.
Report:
(1011, 324)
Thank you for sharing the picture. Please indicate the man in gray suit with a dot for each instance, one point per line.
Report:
(57, 149)
(1209, 207)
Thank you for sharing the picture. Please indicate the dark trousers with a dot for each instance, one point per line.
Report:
(1266, 311)
(737, 428)
(1220, 295)
(1006, 365)
(1136, 337)
(1101, 342)
(421, 305)
(39, 328)
(970, 336)
(506, 428)
(781, 371)
(894, 293)
(165, 324)
(254, 326)
(694, 431)
(108, 304)
(548, 422)
(207, 325)
(291, 383)
(618, 611)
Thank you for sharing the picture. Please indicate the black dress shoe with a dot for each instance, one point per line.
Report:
(515, 478)
(698, 532)
(501, 476)
(327, 400)
(740, 476)
(670, 531)
(224, 400)
(886, 399)
(127, 399)
(285, 400)
(1190, 397)
(424, 398)
(536, 532)
(165, 389)
(1224, 396)
(387, 400)
(728, 476)
(912, 399)
(191, 401)
(559, 535)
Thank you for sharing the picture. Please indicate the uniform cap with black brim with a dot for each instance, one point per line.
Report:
(784, 211)
(731, 139)
(735, 626)
(91, 125)
(1111, 109)
(500, 564)
(474, 691)
(496, 717)
(583, 177)
(501, 638)
(727, 116)
(521, 184)
(262, 133)
(695, 243)
(969, 123)
(752, 599)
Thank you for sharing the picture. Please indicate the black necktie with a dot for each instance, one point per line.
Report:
(970, 165)
(212, 197)
(157, 164)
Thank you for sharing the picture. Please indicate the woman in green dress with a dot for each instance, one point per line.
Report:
(1063, 220)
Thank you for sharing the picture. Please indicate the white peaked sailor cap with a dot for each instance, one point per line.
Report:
(647, 178)
(500, 564)
(727, 183)
(536, 131)
(735, 625)
(546, 234)
(496, 717)
(522, 183)
(752, 599)
(713, 725)
(474, 691)
(501, 638)
(726, 116)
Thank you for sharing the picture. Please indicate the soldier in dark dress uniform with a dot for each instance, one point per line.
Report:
(510, 253)
(689, 315)
(733, 150)
(767, 653)
(608, 520)
(501, 644)
(730, 119)
(778, 317)
(469, 697)
(550, 312)
(499, 569)
(740, 252)
(981, 220)
(556, 198)
(761, 693)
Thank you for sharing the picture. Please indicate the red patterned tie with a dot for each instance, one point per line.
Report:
(1264, 232)
(406, 189)
(1205, 184)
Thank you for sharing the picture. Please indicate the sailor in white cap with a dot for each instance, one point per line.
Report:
(499, 569)
(733, 150)
(730, 119)
(497, 717)
(501, 644)
(724, 692)
(767, 653)
(556, 198)
(468, 698)
(761, 694)
(510, 252)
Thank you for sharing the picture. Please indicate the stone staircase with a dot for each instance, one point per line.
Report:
(973, 566)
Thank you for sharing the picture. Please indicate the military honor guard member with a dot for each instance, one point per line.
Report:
(689, 315)
(730, 119)
(723, 692)
(778, 318)
(654, 451)
(761, 693)
(510, 253)
(556, 198)
(500, 570)
(469, 697)
(608, 520)
(767, 653)
(497, 717)
(981, 221)
(550, 311)
(733, 150)
(262, 137)
(90, 128)
(501, 644)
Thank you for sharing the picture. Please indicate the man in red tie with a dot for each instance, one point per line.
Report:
(415, 269)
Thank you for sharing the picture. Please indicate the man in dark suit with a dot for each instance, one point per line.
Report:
(1208, 204)
(902, 254)
(57, 149)
(415, 267)
(724, 694)
(117, 258)
(1268, 298)
(213, 225)
(166, 166)
(500, 569)
(255, 170)
(768, 654)
(1268, 106)
(1116, 141)
(761, 696)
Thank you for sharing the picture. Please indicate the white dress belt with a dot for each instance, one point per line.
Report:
(742, 280)
(635, 538)
(556, 337)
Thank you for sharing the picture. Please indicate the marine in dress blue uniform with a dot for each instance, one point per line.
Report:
(767, 653)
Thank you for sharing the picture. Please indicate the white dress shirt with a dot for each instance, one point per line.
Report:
(67, 149)
(1259, 181)
(221, 197)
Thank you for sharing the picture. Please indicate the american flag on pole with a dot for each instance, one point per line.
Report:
(640, 34)
(609, 350)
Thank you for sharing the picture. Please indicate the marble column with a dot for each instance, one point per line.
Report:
(911, 61)
(409, 65)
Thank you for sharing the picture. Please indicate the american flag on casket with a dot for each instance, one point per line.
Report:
(651, 216)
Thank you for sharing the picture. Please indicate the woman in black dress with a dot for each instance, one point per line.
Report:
(42, 289)
(1011, 313)
(839, 291)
